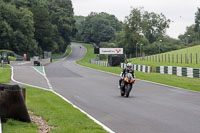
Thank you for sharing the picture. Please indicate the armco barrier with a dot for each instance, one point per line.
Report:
(179, 71)
(100, 63)
(142, 68)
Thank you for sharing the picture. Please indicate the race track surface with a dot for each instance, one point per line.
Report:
(151, 108)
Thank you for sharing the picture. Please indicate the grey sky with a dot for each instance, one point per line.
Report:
(181, 12)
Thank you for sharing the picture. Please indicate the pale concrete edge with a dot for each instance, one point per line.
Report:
(144, 80)
(95, 120)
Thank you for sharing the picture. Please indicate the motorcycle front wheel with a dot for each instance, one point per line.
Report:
(128, 89)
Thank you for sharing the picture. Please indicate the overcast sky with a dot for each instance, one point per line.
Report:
(181, 12)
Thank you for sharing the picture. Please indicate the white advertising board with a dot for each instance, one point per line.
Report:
(111, 51)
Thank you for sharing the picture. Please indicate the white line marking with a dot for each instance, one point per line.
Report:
(44, 74)
(0, 126)
(98, 122)
(95, 120)
(12, 78)
(48, 82)
(38, 71)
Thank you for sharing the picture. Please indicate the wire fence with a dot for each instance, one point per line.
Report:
(191, 58)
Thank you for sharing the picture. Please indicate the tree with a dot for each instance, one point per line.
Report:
(99, 27)
(141, 27)
(154, 25)
(17, 29)
(53, 24)
(62, 16)
(197, 21)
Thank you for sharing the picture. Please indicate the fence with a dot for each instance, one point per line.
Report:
(186, 58)
(100, 63)
(179, 71)
(142, 68)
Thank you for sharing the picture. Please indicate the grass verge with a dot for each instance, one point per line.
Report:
(5, 74)
(56, 112)
(172, 58)
(172, 80)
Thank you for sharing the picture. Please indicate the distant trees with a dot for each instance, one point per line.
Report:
(98, 27)
(192, 34)
(141, 27)
(36, 26)
(17, 29)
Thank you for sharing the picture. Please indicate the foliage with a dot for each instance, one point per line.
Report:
(192, 33)
(35, 26)
(16, 29)
(141, 27)
(98, 28)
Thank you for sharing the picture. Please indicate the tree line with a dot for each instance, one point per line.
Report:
(32, 27)
(140, 30)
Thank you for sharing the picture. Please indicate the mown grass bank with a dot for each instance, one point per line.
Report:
(58, 113)
(172, 80)
(173, 58)
(5, 74)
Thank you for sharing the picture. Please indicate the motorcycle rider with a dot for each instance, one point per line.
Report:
(127, 69)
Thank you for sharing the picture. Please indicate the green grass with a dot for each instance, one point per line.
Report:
(69, 49)
(5, 74)
(12, 58)
(172, 80)
(13, 126)
(168, 62)
(56, 112)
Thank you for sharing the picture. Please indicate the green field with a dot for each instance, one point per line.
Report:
(58, 113)
(173, 58)
(5, 74)
(172, 80)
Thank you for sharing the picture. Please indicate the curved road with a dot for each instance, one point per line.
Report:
(151, 108)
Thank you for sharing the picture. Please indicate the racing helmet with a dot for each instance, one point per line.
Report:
(129, 65)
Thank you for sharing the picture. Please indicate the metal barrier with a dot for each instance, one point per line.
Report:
(141, 68)
(179, 71)
(100, 63)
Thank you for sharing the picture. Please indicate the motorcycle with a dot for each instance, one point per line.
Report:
(127, 84)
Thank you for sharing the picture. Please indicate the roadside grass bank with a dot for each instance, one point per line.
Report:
(57, 112)
(5, 74)
(12, 58)
(69, 49)
(171, 58)
(172, 80)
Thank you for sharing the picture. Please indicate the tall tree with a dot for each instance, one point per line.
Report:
(17, 29)
(99, 27)
(141, 28)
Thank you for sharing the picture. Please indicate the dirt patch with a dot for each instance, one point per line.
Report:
(43, 127)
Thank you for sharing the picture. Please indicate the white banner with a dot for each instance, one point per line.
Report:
(111, 50)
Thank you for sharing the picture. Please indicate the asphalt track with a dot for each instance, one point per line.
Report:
(151, 108)
(24, 72)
